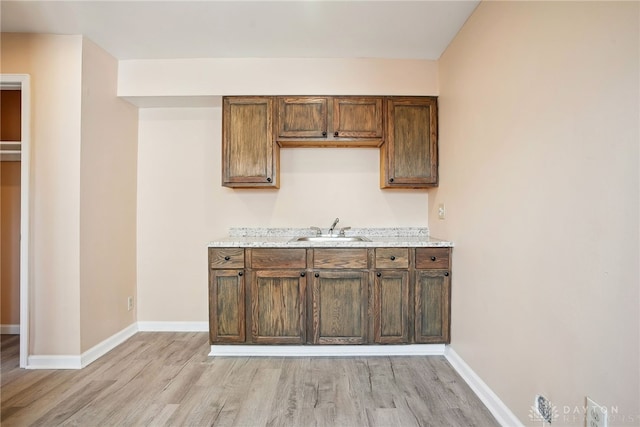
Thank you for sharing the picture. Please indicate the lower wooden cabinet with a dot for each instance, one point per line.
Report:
(391, 307)
(340, 307)
(278, 299)
(432, 291)
(226, 306)
(329, 295)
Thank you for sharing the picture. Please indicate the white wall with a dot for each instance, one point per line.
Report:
(539, 149)
(182, 205)
(54, 63)
(107, 200)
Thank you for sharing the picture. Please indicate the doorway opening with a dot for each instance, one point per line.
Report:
(15, 101)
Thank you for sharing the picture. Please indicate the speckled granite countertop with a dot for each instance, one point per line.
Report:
(282, 238)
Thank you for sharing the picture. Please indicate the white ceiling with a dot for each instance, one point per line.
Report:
(138, 29)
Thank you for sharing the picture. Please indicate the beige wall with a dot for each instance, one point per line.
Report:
(10, 246)
(276, 76)
(539, 131)
(83, 177)
(54, 63)
(107, 200)
(182, 205)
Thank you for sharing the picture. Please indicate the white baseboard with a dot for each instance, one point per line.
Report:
(107, 345)
(10, 329)
(494, 404)
(173, 326)
(327, 350)
(54, 362)
(89, 356)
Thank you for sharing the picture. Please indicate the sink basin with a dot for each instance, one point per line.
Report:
(328, 238)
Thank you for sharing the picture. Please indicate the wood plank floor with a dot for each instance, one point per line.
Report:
(167, 379)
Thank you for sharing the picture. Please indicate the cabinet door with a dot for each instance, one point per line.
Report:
(357, 117)
(391, 304)
(432, 299)
(339, 303)
(249, 154)
(226, 306)
(278, 307)
(410, 152)
(302, 117)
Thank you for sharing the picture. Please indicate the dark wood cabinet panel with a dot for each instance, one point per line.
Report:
(430, 258)
(339, 303)
(404, 127)
(249, 154)
(340, 258)
(410, 154)
(277, 258)
(357, 117)
(384, 295)
(432, 301)
(226, 306)
(302, 117)
(392, 258)
(391, 307)
(278, 300)
(330, 121)
(226, 258)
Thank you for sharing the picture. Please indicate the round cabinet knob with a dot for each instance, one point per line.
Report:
(390, 179)
(433, 258)
(446, 273)
(324, 133)
(268, 179)
(302, 274)
(378, 274)
(393, 258)
(317, 274)
(240, 273)
(336, 133)
(227, 258)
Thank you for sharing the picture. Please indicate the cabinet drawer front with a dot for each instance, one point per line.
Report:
(278, 258)
(340, 258)
(429, 258)
(226, 257)
(392, 258)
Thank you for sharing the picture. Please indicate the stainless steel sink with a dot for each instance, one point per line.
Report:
(327, 238)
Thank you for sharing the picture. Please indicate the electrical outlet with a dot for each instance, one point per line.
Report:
(130, 303)
(596, 414)
(442, 211)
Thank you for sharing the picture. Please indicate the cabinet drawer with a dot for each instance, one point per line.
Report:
(392, 258)
(278, 258)
(340, 258)
(226, 258)
(432, 258)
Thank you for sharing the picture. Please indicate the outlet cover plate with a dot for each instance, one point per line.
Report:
(596, 414)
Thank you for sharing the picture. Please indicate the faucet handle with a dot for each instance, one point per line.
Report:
(343, 229)
(318, 230)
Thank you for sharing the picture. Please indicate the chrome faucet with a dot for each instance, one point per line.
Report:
(333, 226)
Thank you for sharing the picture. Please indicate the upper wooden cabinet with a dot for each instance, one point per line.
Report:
(404, 127)
(250, 155)
(302, 117)
(329, 121)
(409, 157)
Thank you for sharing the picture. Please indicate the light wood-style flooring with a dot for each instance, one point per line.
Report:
(167, 379)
